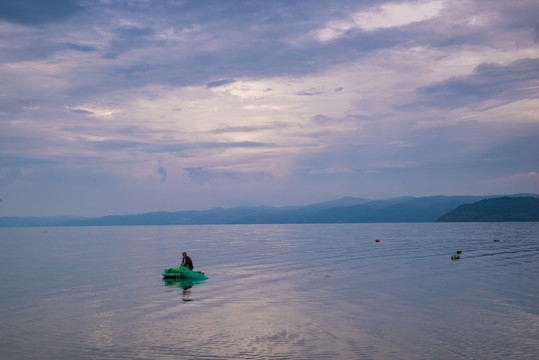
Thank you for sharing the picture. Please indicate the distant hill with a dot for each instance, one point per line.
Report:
(344, 210)
(497, 209)
(34, 221)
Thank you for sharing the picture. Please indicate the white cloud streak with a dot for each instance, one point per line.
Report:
(384, 16)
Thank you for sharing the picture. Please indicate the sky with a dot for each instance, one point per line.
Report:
(124, 107)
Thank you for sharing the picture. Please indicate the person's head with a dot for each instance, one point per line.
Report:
(184, 254)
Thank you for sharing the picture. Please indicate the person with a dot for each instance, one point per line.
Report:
(186, 261)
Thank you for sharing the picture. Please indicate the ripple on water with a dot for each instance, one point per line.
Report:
(274, 292)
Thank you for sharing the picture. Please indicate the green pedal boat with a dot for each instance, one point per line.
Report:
(183, 272)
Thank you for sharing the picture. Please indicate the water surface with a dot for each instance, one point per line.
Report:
(274, 292)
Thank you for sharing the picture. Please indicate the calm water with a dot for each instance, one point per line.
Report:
(274, 292)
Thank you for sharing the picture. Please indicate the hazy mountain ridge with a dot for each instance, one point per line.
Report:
(35, 221)
(495, 210)
(344, 210)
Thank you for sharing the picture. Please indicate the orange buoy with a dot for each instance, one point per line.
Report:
(377, 240)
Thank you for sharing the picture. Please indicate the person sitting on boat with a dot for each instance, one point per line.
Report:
(186, 261)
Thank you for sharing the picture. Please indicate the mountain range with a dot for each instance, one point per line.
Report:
(497, 209)
(344, 210)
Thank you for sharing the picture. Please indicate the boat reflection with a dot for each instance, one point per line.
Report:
(183, 283)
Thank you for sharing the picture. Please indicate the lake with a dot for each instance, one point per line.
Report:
(315, 291)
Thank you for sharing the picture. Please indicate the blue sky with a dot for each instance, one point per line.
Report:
(119, 107)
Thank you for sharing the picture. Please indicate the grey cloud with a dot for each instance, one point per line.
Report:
(7, 161)
(83, 112)
(25, 49)
(163, 172)
(324, 119)
(37, 12)
(233, 129)
(135, 70)
(219, 83)
(517, 80)
(321, 119)
(8, 143)
(166, 148)
(109, 55)
(199, 175)
(117, 144)
(39, 43)
(82, 48)
(8, 177)
(128, 38)
(210, 43)
(37, 46)
(139, 130)
(209, 145)
(135, 32)
(237, 144)
(519, 151)
(275, 57)
(250, 40)
(309, 92)
(14, 105)
(502, 18)
(520, 15)
(362, 117)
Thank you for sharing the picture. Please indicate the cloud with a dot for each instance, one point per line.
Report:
(321, 119)
(161, 170)
(186, 146)
(82, 48)
(401, 143)
(81, 111)
(94, 110)
(15, 104)
(331, 171)
(128, 38)
(218, 83)
(248, 129)
(117, 144)
(110, 56)
(490, 81)
(235, 144)
(8, 177)
(531, 176)
(130, 32)
(393, 164)
(199, 175)
(384, 16)
(37, 12)
(310, 92)
(275, 97)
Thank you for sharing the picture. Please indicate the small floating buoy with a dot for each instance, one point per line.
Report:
(495, 240)
(377, 240)
(459, 252)
(455, 257)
